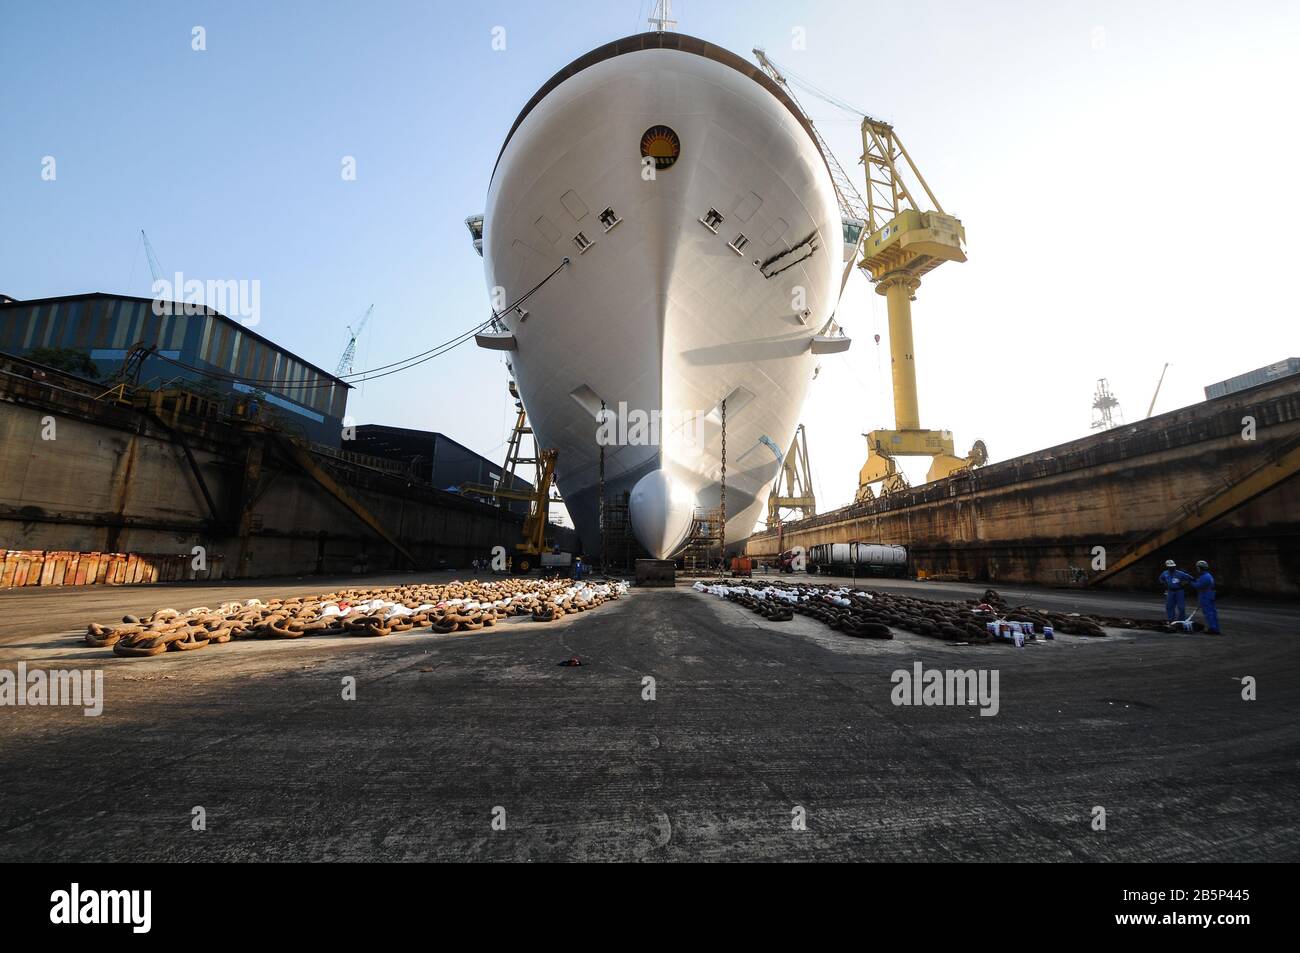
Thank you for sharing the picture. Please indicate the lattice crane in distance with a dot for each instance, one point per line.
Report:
(155, 269)
(350, 352)
(1105, 406)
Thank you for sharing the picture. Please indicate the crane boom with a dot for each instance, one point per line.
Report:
(851, 204)
(887, 190)
(1157, 393)
(350, 352)
(155, 269)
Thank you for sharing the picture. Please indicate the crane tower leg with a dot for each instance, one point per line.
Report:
(907, 439)
(899, 289)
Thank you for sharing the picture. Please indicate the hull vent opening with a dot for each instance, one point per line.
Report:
(582, 242)
(738, 244)
(783, 261)
(609, 220)
(712, 219)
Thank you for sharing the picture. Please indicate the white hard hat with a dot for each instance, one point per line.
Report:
(1170, 564)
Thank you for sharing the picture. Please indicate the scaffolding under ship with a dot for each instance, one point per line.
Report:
(705, 256)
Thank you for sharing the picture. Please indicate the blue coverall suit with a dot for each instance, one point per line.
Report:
(1205, 595)
(1175, 600)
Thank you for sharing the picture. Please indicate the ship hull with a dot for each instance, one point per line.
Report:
(659, 318)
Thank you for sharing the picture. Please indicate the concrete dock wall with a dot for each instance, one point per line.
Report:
(1037, 518)
(78, 474)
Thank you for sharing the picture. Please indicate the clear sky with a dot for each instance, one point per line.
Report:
(1126, 172)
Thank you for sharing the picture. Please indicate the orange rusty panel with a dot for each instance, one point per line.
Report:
(68, 568)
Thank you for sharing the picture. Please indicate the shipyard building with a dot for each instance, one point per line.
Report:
(1260, 375)
(436, 459)
(195, 347)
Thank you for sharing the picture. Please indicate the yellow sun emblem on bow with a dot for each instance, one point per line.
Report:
(661, 144)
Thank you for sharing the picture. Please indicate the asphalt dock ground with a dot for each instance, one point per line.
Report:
(480, 746)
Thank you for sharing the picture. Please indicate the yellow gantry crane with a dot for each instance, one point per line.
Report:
(793, 487)
(901, 243)
(904, 243)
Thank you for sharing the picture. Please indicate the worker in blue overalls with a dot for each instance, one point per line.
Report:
(1204, 584)
(1173, 579)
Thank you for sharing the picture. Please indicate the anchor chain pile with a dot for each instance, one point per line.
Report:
(872, 614)
(453, 607)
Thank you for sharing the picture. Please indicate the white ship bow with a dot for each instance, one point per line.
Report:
(702, 281)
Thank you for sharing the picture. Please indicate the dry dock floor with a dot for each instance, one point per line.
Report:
(751, 721)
